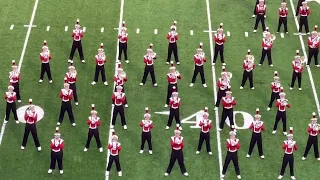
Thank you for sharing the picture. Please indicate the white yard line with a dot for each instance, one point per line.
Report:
(282, 35)
(138, 31)
(191, 32)
(11, 27)
(246, 34)
(228, 33)
(114, 84)
(102, 29)
(156, 31)
(305, 55)
(48, 28)
(66, 28)
(22, 54)
(28, 25)
(84, 29)
(214, 86)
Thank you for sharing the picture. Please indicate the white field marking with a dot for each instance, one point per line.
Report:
(228, 33)
(114, 84)
(11, 27)
(156, 31)
(29, 25)
(48, 28)
(281, 35)
(66, 28)
(214, 86)
(116, 28)
(138, 31)
(246, 34)
(318, 1)
(208, 31)
(297, 34)
(305, 55)
(191, 32)
(22, 54)
(102, 29)
(84, 29)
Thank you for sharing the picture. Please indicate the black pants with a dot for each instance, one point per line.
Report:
(312, 140)
(282, 20)
(260, 17)
(11, 107)
(66, 106)
(147, 70)
(256, 138)
(116, 160)
(226, 113)
(123, 47)
(33, 129)
(204, 137)
(283, 116)
(45, 68)
(73, 87)
(170, 90)
(298, 6)
(313, 52)
(103, 73)
(95, 133)
(247, 75)
(176, 155)
(56, 157)
(231, 156)
(196, 71)
(146, 136)
(294, 77)
(263, 56)
(120, 110)
(287, 158)
(304, 22)
(274, 96)
(174, 113)
(254, 9)
(17, 90)
(76, 45)
(220, 95)
(173, 48)
(218, 49)
(115, 90)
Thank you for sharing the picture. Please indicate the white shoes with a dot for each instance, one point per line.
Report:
(150, 152)
(39, 148)
(271, 65)
(111, 126)
(204, 85)
(40, 81)
(166, 105)
(61, 171)
(222, 176)
(304, 158)
(126, 105)
(19, 101)
(191, 85)
(127, 61)
(49, 171)
(293, 178)
(268, 109)
(125, 127)
(239, 177)
(167, 62)
(300, 89)
(210, 153)
(274, 132)
(17, 122)
(105, 83)
(141, 151)
(178, 63)
(262, 157)
(290, 88)
(285, 133)
(198, 152)
(93, 83)
(119, 173)
(69, 60)
(318, 159)
(186, 174)
(101, 149)
(155, 84)
(85, 150)
(241, 87)
(5, 122)
(219, 129)
(50, 81)
(253, 16)
(58, 124)
(83, 61)
(213, 64)
(247, 156)
(22, 148)
(107, 173)
(77, 104)
(141, 84)
(166, 174)
(167, 127)
(74, 124)
(252, 88)
(224, 64)
(254, 30)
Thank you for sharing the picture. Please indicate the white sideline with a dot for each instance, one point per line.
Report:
(22, 54)
(114, 84)
(305, 55)
(214, 87)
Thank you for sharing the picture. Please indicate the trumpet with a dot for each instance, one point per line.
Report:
(273, 37)
(229, 75)
(257, 124)
(316, 127)
(250, 57)
(123, 75)
(73, 74)
(302, 61)
(278, 84)
(284, 102)
(177, 73)
(291, 143)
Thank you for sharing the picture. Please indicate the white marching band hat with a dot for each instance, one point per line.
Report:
(220, 27)
(290, 132)
(177, 131)
(261, 0)
(174, 91)
(150, 48)
(114, 136)
(223, 70)
(229, 92)
(10, 87)
(101, 47)
(297, 54)
(66, 82)
(174, 26)
(304, 2)
(257, 115)
(93, 111)
(314, 117)
(200, 45)
(315, 30)
(44, 44)
(275, 74)
(30, 103)
(119, 87)
(232, 133)
(147, 113)
(14, 65)
(119, 66)
(282, 92)
(205, 113)
(77, 23)
(123, 26)
(57, 132)
(172, 65)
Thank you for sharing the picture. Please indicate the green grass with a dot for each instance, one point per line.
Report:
(147, 16)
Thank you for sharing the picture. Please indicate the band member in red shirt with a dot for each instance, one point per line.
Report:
(11, 98)
(123, 42)
(146, 126)
(66, 96)
(45, 58)
(199, 59)
(224, 84)
(248, 66)
(304, 12)
(173, 76)
(282, 104)
(227, 102)
(120, 78)
(77, 35)
(71, 80)
(94, 123)
(100, 60)
(283, 14)
(289, 146)
(297, 66)
(313, 130)
(148, 59)
(314, 44)
(266, 49)
(118, 101)
(220, 39)
(174, 104)
(205, 125)
(114, 148)
(31, 118)
(261, 10)
(14, 78)
(275, 90)
(257, 126)
(57, 146)
(173, 37)
(177, 145)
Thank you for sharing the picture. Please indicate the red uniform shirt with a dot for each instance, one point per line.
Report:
(246, 67)
(257, 126)
(71, 78)
(31, 117)
(10, 97)
(220, 38)
(123, 38)
(261, 9)
(312, 131)
(45, 57)
(177, 143)
(118, 98)
(304, 12)
(93, 122)
(114, 148)
(205, 125)
(77, 34)
(172, 37)
(221, 84)
(119, 80)
(283, 12)
(233, 145)
(14, 77)
(146, 125)
(297, 67)
(66, 95)
(174, 103)
(228, 103)
(275, 87)
(57, 145)
(100, 59)
(266, 44)
(314, 42)
(173, 78)
(199, 60)
(281, 107)
(148, 60)
(289, 149)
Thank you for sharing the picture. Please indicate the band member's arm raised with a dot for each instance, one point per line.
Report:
(263, 128)
(244, 65)
(151, 126)
(308, 11)
(61, 95)
(73, 34)
(224, 103)
(234, 102)
(115, 78)
(182, 144)
(171, 102)
(216, 38)
(51, 145)
(228, 145)
(62, 145)
(123, 100)
(110, 146)
(26, 116)
(196, 60)
(288, 105)
(119, 36)
(251, 126)
(88, 121)
(119, 147)
(309, 129)
(98, 123)
(172, 143)
(70, 95)
(125, 79)
(177, 37)
(81, 34)
(141, 124)
(145, 60)
(168, 36)
(201, 123)
(113, 98)
(223, 39)
(295, 147)
(179, 77)
(284, 146)
(210, 125)
(277, 104)
(238, 145)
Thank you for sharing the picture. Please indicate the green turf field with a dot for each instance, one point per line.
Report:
(24, 43)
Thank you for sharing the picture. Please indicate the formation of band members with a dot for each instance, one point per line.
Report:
(119, 100)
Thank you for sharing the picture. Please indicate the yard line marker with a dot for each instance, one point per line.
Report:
(84, 29)
(156, 31)
(11, 27)
(208, 31)
(66, 28)
(214, 86)
(114, 84)
(138, 31)
(191, 32)
(246, 34)
(48, 28)
(228, 33)
(22, 54)
(29, 25)
(281, 35)
(116, 28)
(305, 55)
(102, 29)
(297, 34)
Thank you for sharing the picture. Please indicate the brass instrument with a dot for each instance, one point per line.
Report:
(250, 57)
(73, 73)
(229, 75)
(284, 102)
(291, 143)
(229, 100)
(65, 92)
(257, 124)
(302, 60)
(273, 37)
(316, 127)
(177, 73)
(123, 75)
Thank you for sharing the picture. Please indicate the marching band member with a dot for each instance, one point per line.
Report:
(205, 125)
(275, 89)
(313, 130)
(174, 103)
(118, 100)
(177, 145)
(14, 77)
(172, 78)
(11, 98)
(298, 7)
(283, 14)
(31, 118)
(289, 146)
(173, 37)
(100, 61)
(281, 104)
(266, 49)
(77, 35)
(220, 39)
(94, 123)
(297, 66)
(223, 84)
(304, 12)
(120, 78)
(248, 66)
(149, 68)
(146, 125)
(114, 148)
(199, 59)
(66, 96)
(233, 145)
(123, 42)
(227, 102)
(57, 146)
(257, 126)
(45, 58)
(71, 80)
(314, 43)
(261, 10)
(254, 9)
